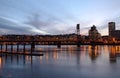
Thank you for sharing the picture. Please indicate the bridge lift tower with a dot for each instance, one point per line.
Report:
(78, 29)
(78, 35)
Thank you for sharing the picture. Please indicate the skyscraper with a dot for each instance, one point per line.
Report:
(112, 31)
(111, 26)
(94, 34)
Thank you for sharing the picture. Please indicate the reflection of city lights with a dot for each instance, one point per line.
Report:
(105, 48)
(89, 48)
(47, 56)
(0, 62)
(41, 58)
(113, 49)
(94, 52)
(113, 53)
(55, 55)
(41, 49)
(28, 58)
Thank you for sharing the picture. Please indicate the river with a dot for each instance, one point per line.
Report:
(65, 62)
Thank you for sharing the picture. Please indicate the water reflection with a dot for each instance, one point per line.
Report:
(15, 59)
(71, 53)
(1, 60)
(114, 53)
(65, 62)
(78, 54)
(94, 52)
(68, 53)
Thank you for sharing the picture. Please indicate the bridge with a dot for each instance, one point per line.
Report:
(48, 41)
(43, 41)
(32, 42)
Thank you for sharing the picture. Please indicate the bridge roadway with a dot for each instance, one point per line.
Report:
(42, 40)
(57, 42)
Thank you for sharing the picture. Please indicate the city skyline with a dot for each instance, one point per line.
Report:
(57, 17)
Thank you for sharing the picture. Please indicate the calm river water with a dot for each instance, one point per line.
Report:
(66, 62)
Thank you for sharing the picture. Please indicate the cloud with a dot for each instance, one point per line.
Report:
(103, 27)
(47, 22)
(42, 19)
(8, 25)
(60, 19)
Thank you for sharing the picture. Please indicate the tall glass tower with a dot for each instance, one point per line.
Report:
(111, 26)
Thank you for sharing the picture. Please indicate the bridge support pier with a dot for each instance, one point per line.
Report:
(11, 47)
(58, 44)
(6, 47)
(24, 47)
(78, 44)
(32, 46)
(17, 47)
(1, 46)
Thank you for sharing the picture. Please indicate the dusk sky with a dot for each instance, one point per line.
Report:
(57, 16)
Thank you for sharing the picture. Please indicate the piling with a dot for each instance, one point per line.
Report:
(11, 47)
(1, 47)
(6, 47)
(17, 47)
(24, 47)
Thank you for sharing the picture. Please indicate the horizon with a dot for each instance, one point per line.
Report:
(57, 17)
